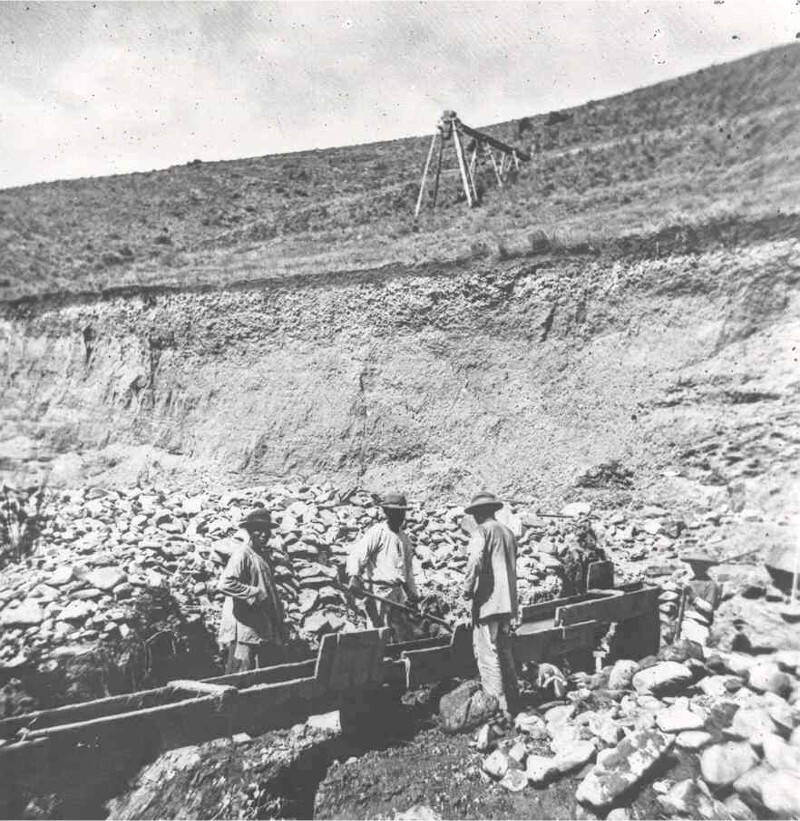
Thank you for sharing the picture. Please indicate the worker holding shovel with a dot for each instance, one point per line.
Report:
(381, 563)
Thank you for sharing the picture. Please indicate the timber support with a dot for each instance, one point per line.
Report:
(481, 147)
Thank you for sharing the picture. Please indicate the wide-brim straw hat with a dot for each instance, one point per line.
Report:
(483, 500)
(258, 518)
(393, 501)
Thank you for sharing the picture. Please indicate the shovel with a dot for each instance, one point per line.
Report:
(403, 607)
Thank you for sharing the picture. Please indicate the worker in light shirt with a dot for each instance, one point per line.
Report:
(381, 563)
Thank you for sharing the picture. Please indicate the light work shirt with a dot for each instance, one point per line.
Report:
(384, 557)
(491, 574)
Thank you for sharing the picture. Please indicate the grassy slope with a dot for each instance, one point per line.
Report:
(721, 143)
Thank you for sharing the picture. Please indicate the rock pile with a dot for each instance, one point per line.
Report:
(736, 716)
(100, 548)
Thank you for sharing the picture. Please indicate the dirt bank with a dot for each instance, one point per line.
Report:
(517, 375)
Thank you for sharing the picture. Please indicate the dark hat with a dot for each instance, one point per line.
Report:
(258, 518)
(484, 499)
(393, 501)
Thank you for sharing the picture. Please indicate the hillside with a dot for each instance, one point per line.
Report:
(717, 145)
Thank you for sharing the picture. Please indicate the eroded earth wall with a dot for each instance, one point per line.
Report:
(515, 375)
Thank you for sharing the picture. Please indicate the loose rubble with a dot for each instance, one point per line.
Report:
(703, 698)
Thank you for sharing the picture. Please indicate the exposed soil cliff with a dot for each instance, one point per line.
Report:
(517, 375)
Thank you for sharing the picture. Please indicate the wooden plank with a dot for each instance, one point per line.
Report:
(99, 726)
(71, 713)
(617, 608)
(395, 651)
(493, 141)
(534, 612)
(427, 666)
(600, 575)
(267, 675)
(203, 688)
(550, 645)
(358, 658)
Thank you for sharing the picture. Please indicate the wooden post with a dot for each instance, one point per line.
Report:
(438, 172)
(424, 177)
(462, 167)
(473, 159)
(494, 165)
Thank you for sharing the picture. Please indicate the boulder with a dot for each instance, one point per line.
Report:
(694, 631)
(768, 678)
(484, 738)
(497, 764)
(786, 718)
(573, 756)
(466, 707)
(531, 724)
(514, 780)
(623, 767)
(750, 785)
(60, 576)
(737, 809)
(559, 716)
(25, 614)
(77, 611)
(106, 578)
(780, 755)
(540, 769)
(663, 678)
(693, 739)
(781, 794)
(677, 719)
(722, 764)
(622, 674)
(688, 799)
(753, 724)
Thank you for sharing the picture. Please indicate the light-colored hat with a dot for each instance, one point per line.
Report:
(484, 499)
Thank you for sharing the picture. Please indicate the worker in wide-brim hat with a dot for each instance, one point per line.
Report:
(490, 583)
(253, 624)
(381, 563)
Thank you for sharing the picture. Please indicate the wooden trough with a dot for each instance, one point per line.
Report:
(52, 745)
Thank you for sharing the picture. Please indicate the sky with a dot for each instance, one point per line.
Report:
(96, 88)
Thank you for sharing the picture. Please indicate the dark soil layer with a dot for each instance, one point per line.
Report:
(444, 773)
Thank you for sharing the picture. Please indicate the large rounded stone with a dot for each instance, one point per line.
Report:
(540, 769)
(722, 764)
(781, 794)
(622, 674)
(677, 719)
(663, 679)
(769, 678)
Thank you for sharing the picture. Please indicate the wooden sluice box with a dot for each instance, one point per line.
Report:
(346, 665)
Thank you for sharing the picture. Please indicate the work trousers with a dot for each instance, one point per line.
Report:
(384, 615)
(491, 639)
(243, 657)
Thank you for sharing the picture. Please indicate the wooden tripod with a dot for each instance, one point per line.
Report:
(451, 129)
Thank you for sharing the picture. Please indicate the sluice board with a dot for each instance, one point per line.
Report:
(37, 745)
